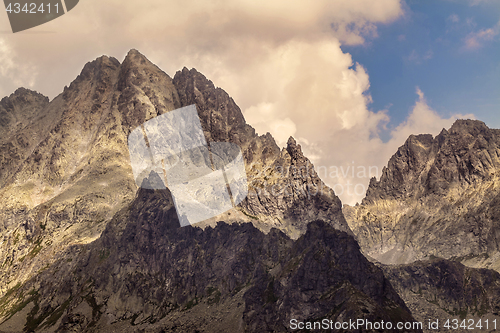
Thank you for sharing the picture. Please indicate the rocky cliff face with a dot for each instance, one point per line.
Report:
(437, 197)
(444, 290)
(65, 168)
(284, 189)
(147, 274)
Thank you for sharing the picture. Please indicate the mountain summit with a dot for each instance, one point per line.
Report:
(436, 197)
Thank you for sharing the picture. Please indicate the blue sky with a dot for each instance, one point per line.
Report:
(427, 47)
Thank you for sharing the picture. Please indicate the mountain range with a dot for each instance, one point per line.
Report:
(83, 249)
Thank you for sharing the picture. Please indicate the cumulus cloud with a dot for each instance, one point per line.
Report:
(217, 37)
(347, 159)
(266, 118)
(422, 119)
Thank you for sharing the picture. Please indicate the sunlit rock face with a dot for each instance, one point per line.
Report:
(438, 197)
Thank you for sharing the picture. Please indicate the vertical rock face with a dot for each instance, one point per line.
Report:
(447, 290)
(65, 168)
(147, 273)
(437, 197)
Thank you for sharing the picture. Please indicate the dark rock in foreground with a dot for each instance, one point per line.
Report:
(145, 272)
(443, 290)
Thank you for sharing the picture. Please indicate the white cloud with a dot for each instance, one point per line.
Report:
(14, 72)
(221, 36)
(422, 119)
(266, 118)
(359, 153)
(476, 40)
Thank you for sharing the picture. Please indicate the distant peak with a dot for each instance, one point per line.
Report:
(468, 125)
(24, 94)
(135, 56)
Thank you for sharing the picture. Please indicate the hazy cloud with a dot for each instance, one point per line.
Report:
(476, 39)
(13, 72)
(417, 58)
(453, 18)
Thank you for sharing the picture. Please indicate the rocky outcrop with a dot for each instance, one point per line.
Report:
(437, 197)
(20, 108)
(145, 273)
(444, 290)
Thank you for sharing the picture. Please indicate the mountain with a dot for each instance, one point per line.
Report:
(437, 197)
(65, 166)
(147, 273)
(82, 247)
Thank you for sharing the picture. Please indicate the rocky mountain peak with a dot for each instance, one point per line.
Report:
(23, 96)
(469, 126)
(437, 196)
(94, 69)
(276, 189)
(18, 109)
(292, 147)
(221, 118)
(64, 176)
(424, 165)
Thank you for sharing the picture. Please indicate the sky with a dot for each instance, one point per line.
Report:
(349, 79)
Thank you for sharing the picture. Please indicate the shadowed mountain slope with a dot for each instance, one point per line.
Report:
(147, 273)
